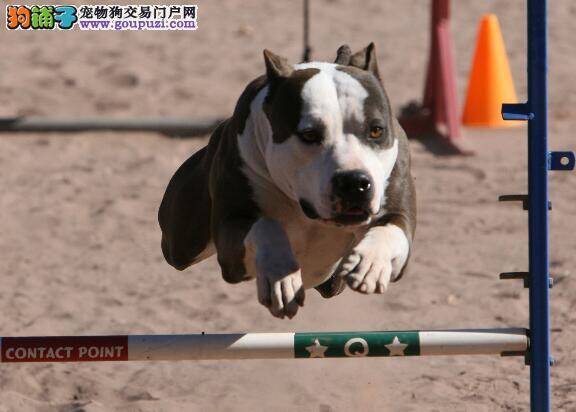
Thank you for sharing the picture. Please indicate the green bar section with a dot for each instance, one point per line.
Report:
(356, 344)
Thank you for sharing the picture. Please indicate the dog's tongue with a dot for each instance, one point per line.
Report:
(354, 211)
(349, 209)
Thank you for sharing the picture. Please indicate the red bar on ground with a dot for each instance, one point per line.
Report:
(65, 349)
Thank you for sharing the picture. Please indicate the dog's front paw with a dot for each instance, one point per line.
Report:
(367, 270)
(280, 288)
(376, 259)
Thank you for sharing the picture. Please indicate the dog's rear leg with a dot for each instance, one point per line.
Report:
(185, 213)
(331, 287)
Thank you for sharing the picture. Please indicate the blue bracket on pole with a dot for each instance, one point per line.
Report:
(561, 161)
(516, 111)
(520, 198)
(524, 276)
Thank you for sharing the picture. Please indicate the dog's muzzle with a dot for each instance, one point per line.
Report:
(352, 192)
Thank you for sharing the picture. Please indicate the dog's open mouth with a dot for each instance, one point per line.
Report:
(349, 215)
(352, 216)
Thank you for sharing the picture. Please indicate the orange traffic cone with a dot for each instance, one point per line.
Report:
(491, 81)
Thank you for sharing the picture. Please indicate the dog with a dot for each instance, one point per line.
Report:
(307, 185)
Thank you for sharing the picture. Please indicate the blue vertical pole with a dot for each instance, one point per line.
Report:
(538, 211)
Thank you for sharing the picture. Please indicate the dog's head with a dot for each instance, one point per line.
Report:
(333, 146)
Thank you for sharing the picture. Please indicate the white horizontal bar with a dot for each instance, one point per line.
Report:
(219, 346)
(263, 345)
(473, 342)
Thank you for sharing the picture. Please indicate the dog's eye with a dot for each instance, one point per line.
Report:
(310, 136)
(376, 132)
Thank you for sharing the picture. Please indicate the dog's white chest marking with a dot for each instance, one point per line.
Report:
(318, 248)
(315, 248)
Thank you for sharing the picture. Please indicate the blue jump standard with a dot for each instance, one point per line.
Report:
(538, 207)
(539, 162)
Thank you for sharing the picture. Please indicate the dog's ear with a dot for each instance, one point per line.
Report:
(365, 59)
(343, 55)
(276, 66)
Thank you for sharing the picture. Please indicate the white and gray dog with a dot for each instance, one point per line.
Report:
(307, 185)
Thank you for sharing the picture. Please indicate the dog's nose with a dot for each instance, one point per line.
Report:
(352, 186)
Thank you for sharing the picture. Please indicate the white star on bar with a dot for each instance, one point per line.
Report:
(316, 350)
(396, 348)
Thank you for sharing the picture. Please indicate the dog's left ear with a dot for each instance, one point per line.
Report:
(277, 67)
(365, 59)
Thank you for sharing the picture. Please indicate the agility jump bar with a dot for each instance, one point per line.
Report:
(264, 345)
(173, 127)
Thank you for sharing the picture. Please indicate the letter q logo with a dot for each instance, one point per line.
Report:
(356, 353)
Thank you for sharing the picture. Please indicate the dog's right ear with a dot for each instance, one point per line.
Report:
(343, 55)
(277, 67)
(365, 59)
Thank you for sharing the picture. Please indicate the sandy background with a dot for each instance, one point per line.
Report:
(80, 243)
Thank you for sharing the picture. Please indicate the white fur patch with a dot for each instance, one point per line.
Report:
(332, 95)
(378, 258)
(400, 248)
(253, 141)
(278, 275)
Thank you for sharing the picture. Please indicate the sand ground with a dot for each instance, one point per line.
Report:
(80, 241)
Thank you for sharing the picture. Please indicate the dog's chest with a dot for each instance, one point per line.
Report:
(318, 248)
(319, 251)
